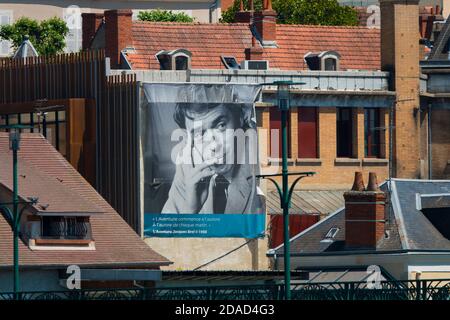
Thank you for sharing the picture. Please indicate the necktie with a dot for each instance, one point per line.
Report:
(220, 194)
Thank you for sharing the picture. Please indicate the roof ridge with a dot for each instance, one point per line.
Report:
(189, 23)
(326, 26)
(165, 23)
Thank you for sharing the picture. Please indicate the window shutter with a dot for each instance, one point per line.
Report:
(275, 124)
(307, 133)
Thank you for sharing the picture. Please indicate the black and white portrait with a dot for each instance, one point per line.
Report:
(201, 157)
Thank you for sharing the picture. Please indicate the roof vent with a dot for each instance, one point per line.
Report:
(255, 65)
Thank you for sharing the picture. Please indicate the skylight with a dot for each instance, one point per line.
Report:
(331, 234)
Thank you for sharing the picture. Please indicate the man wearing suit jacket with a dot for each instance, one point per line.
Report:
(211, 176)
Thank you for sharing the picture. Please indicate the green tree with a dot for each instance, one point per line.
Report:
(164, 16)
(47, 36)
(316, 12)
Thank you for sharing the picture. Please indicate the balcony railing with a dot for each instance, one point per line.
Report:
(386, 290)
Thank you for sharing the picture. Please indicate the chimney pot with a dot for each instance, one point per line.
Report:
(358, 183)
(373, 183)
(265, 23)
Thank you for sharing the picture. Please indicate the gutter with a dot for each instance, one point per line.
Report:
(90, 265)
(361, 252)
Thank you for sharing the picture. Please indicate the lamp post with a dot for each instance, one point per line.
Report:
(285, 193)
(14, 217)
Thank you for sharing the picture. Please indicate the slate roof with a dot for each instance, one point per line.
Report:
(408, 228)
(25, 50)
(322, 202)
(416, 230)
(359, 47)
(116, 244)
(438, 50)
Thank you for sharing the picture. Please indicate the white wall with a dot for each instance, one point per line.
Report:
(400, 266)
(44, 280)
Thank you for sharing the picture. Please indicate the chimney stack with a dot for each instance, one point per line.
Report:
(364, 214)
(265, 23)
(118, 25)
(400, 56)
(244, 16)
(90, 24)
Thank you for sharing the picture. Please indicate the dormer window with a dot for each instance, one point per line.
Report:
(324, 61)
(53, 231)
(65, 228)
(179, 59)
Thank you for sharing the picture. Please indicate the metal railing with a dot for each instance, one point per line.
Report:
(386, 290)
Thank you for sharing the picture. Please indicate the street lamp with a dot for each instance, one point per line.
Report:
(285, 193)
(14, 217)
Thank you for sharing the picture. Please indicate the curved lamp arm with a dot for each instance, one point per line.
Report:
(280, 193)
(291, 189)
(8, 214)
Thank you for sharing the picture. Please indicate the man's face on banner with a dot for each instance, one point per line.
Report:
(212, 132)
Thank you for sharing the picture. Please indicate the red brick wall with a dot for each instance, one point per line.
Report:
(117, 33)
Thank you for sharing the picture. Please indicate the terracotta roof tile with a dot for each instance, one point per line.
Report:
(116, 244)
(359, 46)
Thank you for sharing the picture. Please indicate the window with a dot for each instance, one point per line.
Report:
(372, 133)
(330, 64)
(65, 228)
(440, 218)
(230, 62)
(307, 133)
(164, 62)
(275, 129)
(5, 18)
(344, 132)
(331, 234)
(181, 63)
(72, 17)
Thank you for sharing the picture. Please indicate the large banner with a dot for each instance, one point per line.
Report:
(200, 151)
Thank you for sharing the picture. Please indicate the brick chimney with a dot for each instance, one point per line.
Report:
(255, 52)
(364, 214)
(90, 24)
(118, 24)
(244, 16)
(400, 56)
(265, 23)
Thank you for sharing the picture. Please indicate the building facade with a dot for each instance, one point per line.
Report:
(71, 11)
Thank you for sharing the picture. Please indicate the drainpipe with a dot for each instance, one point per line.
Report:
(430, 168)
